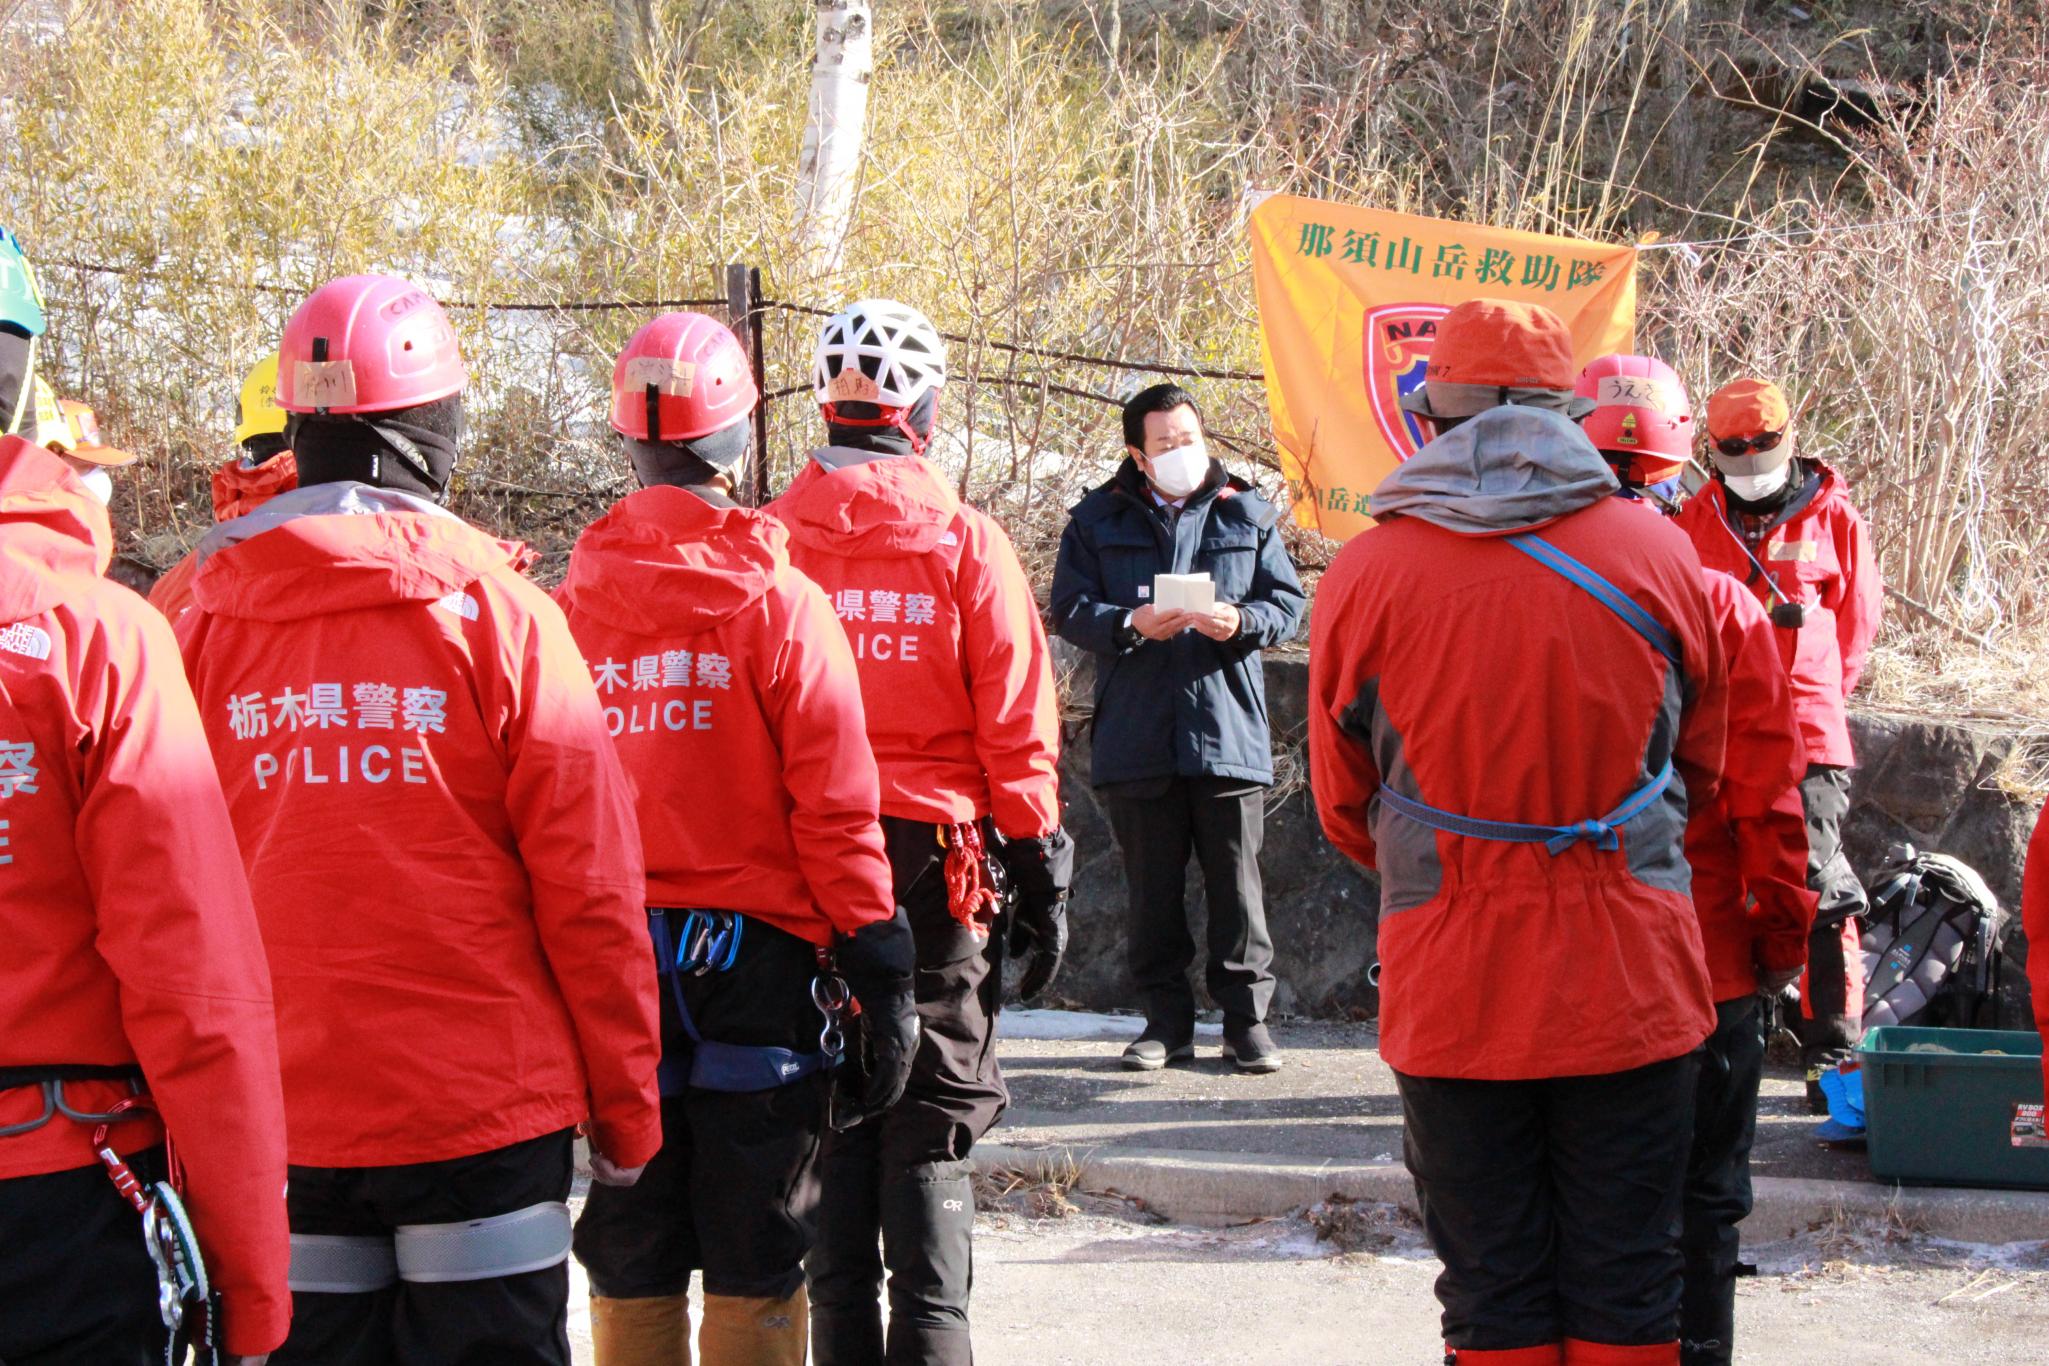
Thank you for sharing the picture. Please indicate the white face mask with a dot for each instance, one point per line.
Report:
(1180, 472)
(99, 484)
(1754, 488)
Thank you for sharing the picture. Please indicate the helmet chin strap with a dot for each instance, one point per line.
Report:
(886, 418)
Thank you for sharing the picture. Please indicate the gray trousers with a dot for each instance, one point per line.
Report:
(1221, 821)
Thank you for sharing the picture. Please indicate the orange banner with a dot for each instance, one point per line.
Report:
(1349, 300)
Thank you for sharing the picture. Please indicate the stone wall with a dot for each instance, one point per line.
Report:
(1923, 781)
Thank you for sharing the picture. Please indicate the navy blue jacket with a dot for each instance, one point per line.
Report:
(1190, 706)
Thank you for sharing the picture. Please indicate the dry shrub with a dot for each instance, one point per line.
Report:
(1062, 176)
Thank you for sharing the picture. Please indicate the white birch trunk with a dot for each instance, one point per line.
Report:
(830, 160)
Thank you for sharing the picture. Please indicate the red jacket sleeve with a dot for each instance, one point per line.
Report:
(1863, 597)
(2035, 921)
(1761, 776)
(1771, 850)
(1342, 774)
(572, 812)
(177, 928)
(1702, 748)
(1010, 682)
(835, 795)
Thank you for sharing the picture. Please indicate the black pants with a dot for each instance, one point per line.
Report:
(734, 1190)
(1832, 1023)
(904, 1177)
(1222, 821)
(1718, 1180)
(1554, 1204)
(505, 1321)
(75, 1283)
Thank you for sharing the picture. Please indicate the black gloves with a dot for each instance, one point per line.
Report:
(1041, 870)
(877, 960)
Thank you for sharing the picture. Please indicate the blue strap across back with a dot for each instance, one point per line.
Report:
(1604, 832)
(1609, 596)
(709, 941)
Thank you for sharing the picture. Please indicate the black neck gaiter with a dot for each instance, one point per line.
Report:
(410, 449)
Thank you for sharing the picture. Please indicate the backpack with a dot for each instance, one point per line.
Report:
(1933, 944)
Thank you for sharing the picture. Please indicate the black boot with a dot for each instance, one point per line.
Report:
(928, 1227)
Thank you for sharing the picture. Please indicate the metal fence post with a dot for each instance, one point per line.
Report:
(743, 315)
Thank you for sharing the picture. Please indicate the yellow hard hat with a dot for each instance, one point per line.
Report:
(259, 412)
(50, 427)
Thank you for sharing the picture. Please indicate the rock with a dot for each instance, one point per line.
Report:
(1922, 781)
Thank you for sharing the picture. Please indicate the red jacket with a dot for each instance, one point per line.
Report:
(2035, 922)
(1819, 553)
(1748, 847)
(439, 838)
(1470, 677)
(712, 655)
(955, 673)
(238, 490)
(130, 937)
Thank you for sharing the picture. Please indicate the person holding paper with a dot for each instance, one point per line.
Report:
(1175, 576)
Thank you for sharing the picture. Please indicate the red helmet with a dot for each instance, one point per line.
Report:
(1641, 412)
(689, 373)
(367, 344)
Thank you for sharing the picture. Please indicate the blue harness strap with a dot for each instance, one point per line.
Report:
(1604, 832)
(709, 941)
(1609, 596)
(1556, 839)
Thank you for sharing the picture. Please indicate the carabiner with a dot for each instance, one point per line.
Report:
(830, 993)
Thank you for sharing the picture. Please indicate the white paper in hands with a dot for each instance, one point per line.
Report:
(1184, 593)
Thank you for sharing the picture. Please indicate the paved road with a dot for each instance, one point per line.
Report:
(1334, 1098)
(1099, 1284)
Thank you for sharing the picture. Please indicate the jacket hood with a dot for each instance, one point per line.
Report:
(665, 560)
(1509, 469)
(240, 489)
(874, 509)
(339, 547)
(52, 532)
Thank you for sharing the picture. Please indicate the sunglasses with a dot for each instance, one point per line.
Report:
(1734, 446)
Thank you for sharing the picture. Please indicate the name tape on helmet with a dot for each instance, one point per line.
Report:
(851, 386)
(673, 377)
(324, 383)
(1634, 391)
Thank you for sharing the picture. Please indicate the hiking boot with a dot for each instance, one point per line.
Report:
(1250, 1048)
(1157, 1047)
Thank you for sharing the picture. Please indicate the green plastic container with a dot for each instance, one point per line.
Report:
(1946, 1119)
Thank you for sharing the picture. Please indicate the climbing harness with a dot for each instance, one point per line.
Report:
(185, 1301)
(709, 941)
(1603, 832)
(532, 1238)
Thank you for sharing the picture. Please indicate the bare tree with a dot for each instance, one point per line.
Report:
(830, 159)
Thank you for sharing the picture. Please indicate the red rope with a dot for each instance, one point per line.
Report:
(968, 891)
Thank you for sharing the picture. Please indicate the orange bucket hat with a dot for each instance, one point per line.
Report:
(1486, 348)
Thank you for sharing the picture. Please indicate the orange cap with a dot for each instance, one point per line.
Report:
(1503, 345)
(85, 443)
(1746, 407)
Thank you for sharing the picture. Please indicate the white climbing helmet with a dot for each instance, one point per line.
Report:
(877, 351)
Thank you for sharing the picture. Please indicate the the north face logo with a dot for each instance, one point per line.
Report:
(24, 639)
(462, 604)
